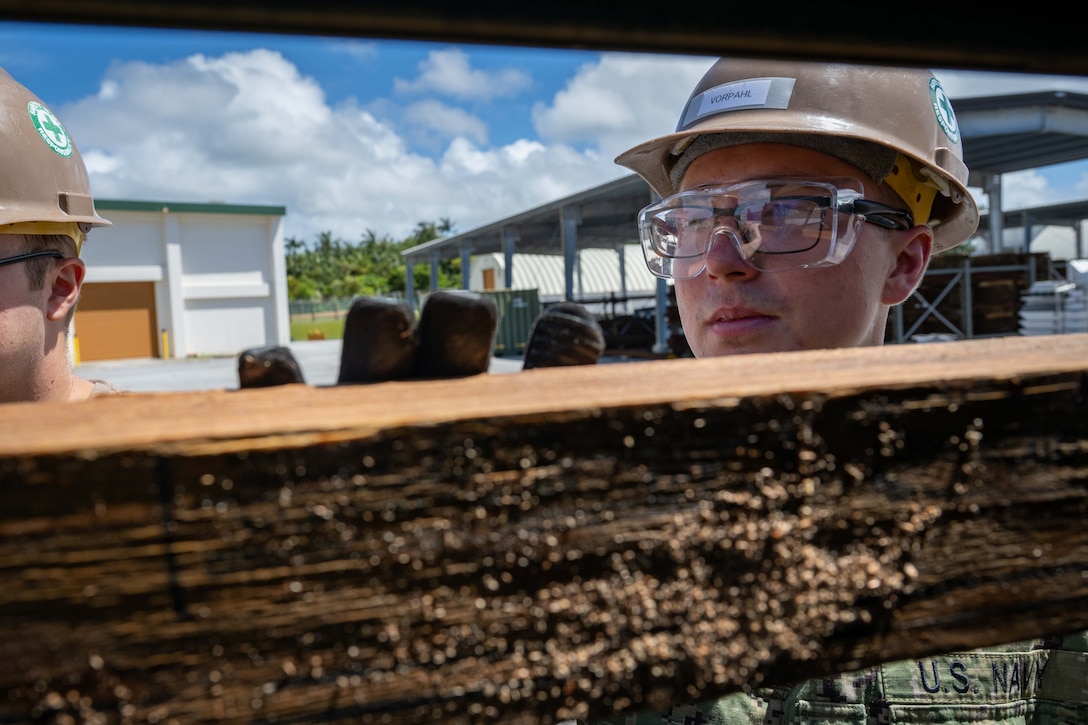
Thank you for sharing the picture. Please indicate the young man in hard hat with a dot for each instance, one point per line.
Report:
(46, 209)
(787, 266)
(800, 202)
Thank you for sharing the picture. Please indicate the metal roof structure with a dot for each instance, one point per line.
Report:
(1022, 131)
(1030, 219)
(1066, 214)
(605, 216)
(188, 207)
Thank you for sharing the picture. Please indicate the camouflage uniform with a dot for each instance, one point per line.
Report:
(1029, 683)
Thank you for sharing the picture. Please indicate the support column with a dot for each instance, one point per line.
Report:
(570, 218)
(410, 283)
(993, 193)
(466, 265)
(621, 250)
(509, 247)
(661, 323)
(967, 303)
(279, 282)
(434, 271)
(171, 233)
(1027, 223)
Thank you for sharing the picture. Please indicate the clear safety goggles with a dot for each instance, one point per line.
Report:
(774, 224)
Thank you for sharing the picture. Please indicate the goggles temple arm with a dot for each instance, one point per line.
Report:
(881, 214)
(31, 255)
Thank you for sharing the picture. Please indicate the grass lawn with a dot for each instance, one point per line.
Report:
(332, 329)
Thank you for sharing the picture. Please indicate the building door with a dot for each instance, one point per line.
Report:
(116, 320)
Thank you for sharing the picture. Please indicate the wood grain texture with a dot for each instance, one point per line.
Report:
(547, 544)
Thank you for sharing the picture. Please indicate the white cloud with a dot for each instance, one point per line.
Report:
(449, 73)
(249, 128)
(99, 162)
(1036, 188)
(442, 122)
(620, 100)
(1025, 189)
(108, 90)
(516, 177)
(360, 50)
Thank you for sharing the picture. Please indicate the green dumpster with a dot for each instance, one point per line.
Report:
(518, 310)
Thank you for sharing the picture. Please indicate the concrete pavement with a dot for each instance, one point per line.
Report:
(319, 360)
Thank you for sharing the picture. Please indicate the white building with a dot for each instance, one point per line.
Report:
(180, 279)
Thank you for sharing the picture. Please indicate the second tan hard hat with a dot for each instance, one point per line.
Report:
(894, 124)
(44, 187)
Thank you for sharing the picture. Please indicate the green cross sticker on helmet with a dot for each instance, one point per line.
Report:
(942, 107)
(50, 129)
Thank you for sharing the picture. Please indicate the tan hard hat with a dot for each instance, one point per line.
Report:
(43, 187)
(894, 124)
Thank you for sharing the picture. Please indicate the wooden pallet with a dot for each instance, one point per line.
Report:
(539, 545)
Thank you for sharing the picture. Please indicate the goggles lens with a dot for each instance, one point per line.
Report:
(774, 225)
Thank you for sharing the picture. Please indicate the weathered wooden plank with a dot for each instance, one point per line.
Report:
(551, 543)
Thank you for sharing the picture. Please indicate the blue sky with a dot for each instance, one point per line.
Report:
(41, 57)
(358, 134)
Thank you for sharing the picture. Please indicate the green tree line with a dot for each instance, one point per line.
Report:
(332, 267)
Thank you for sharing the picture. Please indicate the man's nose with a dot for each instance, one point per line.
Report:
(723, 256)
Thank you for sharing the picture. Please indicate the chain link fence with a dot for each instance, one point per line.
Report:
(321, 319)
(336, 307)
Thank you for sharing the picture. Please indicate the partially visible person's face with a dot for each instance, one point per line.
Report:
(22, 331)
(733, 308)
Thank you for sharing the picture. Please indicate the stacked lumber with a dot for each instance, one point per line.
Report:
(996, 284)
(549, 544)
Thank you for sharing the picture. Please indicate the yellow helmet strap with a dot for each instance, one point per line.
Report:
(917, 191)
(72, 230)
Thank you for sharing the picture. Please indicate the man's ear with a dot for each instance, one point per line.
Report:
(65, 281)
(912, 249)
